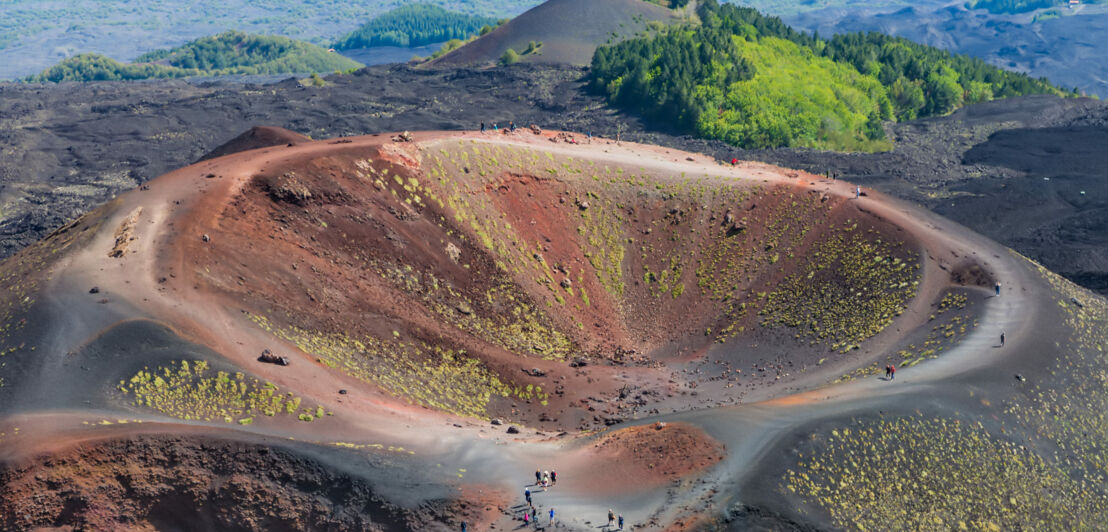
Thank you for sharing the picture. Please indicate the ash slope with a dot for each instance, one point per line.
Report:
(569, 30)
(419, 289)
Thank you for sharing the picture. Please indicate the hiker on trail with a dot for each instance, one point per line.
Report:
(527, 494)
(464, 528)
(512, 125)
(482, 127)
(526, 518)
(553, 477)
(589, 135)
(734, 161)
(888, 371)
(538, 477)
(998, 288)
(1001, 338)
(545, 478)
(611, 517)
(621, 521)
(551, 516)
(857, 192)
(892, 372)
(494, 127)
(535, 516)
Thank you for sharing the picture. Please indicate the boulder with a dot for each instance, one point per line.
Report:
(268, 357)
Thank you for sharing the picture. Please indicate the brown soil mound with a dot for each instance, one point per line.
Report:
(569, 30)
(166, 483)
(643, 457)
(254, 138)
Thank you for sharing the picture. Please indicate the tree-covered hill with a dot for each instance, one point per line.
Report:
(228, 53)
(414, 25)
(752, 81)
(96, 67)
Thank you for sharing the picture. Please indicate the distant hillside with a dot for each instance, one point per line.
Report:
(568, 30)
(96, 67)
(228, 53)
(35, 34)
(1063, 44)
(1018, 6)
(754, 82)
(234, 52)
(415, 25)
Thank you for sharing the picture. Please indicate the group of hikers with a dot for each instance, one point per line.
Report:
(531, 516)
(612, 519)
(545, 479)
(495, 127)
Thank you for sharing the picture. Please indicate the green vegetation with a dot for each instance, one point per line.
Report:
(447, 47)
(95, 67)
(852, 286)
(430, 376)
(234, 52)
(223, 54)
(512, 57)
(951, 326)
(415, 25)
(1068, 409)
(188, 391)
(603, 234)
(928, 473)
(752, 81)
(947, 81)
(520, 329)
(316, 21)
(1037, 461)
(796, 98)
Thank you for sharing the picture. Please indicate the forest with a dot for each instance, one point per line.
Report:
(753, 81)
(229, 53)
(415, 25)
(96, 67)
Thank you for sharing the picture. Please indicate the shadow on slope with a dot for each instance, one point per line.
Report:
(254, 138)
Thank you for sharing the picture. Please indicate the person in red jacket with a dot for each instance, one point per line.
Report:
(892, 372)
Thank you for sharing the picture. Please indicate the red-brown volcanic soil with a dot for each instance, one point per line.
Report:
(159, 483)
(642, 457)
(454, 309)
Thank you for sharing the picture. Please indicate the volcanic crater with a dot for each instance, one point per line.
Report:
(469, 302)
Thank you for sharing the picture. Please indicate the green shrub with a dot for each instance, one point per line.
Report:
(510, 57)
